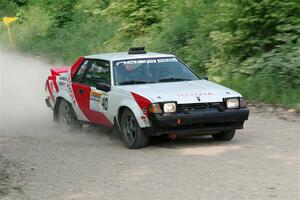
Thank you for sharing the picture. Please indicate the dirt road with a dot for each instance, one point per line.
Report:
(261, 162)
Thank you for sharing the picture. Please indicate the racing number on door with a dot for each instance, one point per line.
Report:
(98, 101)
(105, 104)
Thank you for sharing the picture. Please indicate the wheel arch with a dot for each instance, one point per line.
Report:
(120, 112)
(135, 109)
(56, 106)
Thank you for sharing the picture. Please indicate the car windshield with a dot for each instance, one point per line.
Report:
(152, 70)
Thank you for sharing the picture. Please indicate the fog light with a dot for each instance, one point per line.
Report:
(155, 108)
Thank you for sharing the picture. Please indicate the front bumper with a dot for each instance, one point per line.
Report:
(211, 120)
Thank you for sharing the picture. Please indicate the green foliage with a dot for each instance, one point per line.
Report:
(137, 15)
(82, 32)
(184, 31)
(259, 41)
(136, 19)
(252, 46)
(36, 22)
(198, 50)
(177, 27)
(8, 8)
(279, 67)
(63, 12)
(251, 28)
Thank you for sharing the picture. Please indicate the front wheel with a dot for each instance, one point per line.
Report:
(132, 135)
(66, 117)
(224, 136)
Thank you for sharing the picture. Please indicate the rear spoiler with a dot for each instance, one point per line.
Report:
(58, 71)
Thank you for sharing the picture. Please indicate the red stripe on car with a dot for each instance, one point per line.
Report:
(50, 91)
(142, 102)
(53, 79)
(83, 101)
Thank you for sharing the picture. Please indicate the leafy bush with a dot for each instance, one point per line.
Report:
(8, 8)
(252, 46)
(258, 43)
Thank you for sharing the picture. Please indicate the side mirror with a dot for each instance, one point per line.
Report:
(103, 87)
(205, 78)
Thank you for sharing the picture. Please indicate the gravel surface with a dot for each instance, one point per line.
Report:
(261, 162)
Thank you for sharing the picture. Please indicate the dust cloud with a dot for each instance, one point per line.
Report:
(22, 105)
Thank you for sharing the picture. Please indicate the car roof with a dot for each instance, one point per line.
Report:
(126, 56)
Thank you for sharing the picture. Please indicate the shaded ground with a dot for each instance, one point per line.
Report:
(261, 162)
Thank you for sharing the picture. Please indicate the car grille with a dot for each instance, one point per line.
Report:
(198, 106)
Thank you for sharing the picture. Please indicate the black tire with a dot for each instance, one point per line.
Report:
(132, 135)
(67, 118)
(224, 136)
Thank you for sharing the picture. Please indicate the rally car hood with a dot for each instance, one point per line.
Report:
(183, 92)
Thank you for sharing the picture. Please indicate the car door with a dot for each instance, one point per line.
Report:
(93, 102)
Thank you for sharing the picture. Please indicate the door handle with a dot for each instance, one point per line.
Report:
(81, 91)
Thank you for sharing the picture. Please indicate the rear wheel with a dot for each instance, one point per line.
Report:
(66, 117)
(132, 135)
(224, 136)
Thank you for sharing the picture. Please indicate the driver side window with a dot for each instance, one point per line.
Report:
(97, 71)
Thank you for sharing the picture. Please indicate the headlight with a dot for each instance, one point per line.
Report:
(232, 103)
(169, 107)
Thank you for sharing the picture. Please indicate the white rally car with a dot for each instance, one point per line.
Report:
(143, 94)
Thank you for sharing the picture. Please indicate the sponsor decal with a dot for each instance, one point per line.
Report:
(62, 78)
(98, 101)
(196, 94)
(95, 97)
(161, 60)
(61, 83)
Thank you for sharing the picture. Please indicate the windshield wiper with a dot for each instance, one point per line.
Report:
(173, 79)
(132, 82)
